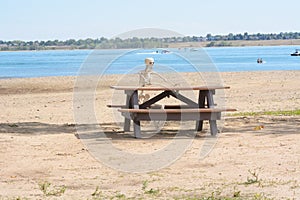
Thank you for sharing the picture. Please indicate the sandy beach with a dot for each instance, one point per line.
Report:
(255, 157)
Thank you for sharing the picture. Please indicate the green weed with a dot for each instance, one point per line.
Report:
(151, 190)
(50, 190)
(97, 192)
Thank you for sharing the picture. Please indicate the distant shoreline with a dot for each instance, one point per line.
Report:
(237, 43)
(201, 44)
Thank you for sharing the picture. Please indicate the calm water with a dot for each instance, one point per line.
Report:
(66, 63)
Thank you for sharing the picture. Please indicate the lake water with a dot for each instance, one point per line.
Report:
(69, 62)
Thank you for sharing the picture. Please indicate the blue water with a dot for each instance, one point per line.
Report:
(69, 62)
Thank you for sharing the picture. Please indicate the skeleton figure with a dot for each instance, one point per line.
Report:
(145, 78)
(145, 75)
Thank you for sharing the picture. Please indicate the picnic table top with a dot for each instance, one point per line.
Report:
(149, 88)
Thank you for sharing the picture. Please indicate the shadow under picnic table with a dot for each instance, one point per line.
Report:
(256, 125)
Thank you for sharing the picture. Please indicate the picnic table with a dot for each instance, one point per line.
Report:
(203, 109)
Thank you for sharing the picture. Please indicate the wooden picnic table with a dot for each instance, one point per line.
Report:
(203, 109)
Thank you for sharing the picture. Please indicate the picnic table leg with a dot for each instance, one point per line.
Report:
(201, 103)
(135, 104)
(211, 104)
(137, 129)
(127, 121)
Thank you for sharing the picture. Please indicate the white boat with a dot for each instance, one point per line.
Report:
(296, 53)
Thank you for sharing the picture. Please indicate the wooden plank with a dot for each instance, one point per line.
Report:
(151, 88)
(192, 110)
(179, 107)
(176, 116)
(169, 106)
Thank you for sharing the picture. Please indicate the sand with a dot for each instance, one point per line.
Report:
(255, 157)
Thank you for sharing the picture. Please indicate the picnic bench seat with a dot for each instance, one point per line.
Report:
(159, 106)
(179, 114)
(172, 114)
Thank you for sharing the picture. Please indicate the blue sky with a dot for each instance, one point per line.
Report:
(65, 19)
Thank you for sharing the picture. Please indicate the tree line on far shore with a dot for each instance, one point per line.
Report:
(118, 43)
